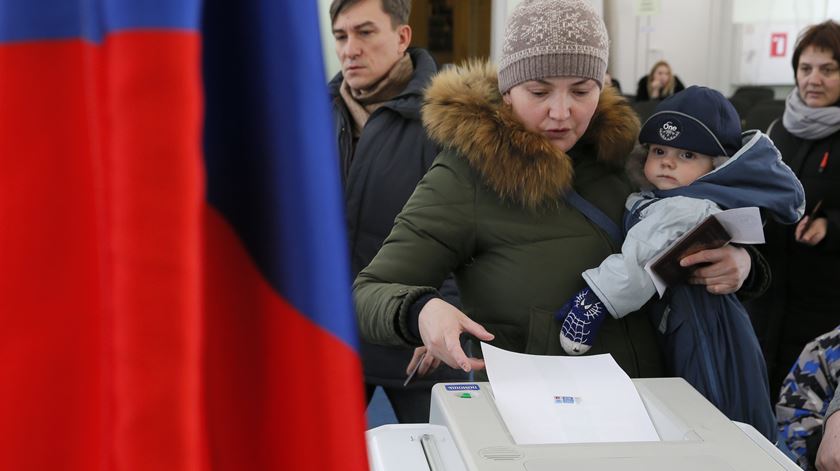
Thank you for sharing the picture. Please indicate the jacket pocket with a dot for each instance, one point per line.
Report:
(542, 332)
(664, 318)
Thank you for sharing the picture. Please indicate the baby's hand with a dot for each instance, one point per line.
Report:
(582, 317)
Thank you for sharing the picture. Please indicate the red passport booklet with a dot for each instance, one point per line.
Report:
(709, 234)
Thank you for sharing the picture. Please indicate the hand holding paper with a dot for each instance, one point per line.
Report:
(721, 270)
(743, 225)
(709, 234)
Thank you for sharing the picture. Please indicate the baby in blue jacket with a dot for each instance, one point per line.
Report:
(697, 163)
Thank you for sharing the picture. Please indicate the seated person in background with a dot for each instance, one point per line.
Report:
(805, 404)
(697, 163)
(609, 80)
(660, 83)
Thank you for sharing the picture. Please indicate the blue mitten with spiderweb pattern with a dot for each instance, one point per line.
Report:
(582, 317)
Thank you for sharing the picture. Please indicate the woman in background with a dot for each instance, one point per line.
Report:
(660, 83)
(804, 300)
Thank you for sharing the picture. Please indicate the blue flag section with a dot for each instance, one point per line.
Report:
(28, 20)
(272, 170)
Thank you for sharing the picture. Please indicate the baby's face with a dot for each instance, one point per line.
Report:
(668, 167)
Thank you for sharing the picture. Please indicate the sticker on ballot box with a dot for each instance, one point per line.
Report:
(461, 387)
(463, 391)
(566, 400)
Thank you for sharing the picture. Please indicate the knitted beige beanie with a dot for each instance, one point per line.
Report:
(553, 38)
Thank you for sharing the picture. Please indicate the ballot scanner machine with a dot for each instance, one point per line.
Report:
(467, 433)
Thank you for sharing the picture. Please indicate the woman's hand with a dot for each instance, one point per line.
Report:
(813, 233)
(828, 454)
(429, 363)
(441, 325)
(656, 86)
(726, 269)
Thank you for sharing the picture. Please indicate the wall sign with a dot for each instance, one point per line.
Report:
(778, 44)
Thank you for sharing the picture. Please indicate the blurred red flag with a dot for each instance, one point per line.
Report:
(141, 329)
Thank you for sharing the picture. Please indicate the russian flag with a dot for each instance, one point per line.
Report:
(279, 309)
(174, 291)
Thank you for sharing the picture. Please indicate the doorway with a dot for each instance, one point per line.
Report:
(452, 30)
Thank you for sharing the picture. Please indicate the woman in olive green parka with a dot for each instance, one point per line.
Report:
(491, 209)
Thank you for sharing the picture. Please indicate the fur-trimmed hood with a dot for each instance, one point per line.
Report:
(464, 111)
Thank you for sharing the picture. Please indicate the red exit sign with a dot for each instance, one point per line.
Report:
(778, 44)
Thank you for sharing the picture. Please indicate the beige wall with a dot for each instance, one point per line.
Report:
(705, 40)
(694, 37)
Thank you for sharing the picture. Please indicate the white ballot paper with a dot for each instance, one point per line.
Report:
(557, 399)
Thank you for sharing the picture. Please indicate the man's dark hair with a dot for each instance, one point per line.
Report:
(398, 10)
(825, 35)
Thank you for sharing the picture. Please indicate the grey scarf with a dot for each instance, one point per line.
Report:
(809, 123)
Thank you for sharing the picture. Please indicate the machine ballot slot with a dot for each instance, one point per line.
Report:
(412, 447)
(430, 449)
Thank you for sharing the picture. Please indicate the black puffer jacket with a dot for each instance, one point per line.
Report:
(391, 156)
(803, 301)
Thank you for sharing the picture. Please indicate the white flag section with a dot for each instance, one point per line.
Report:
(556, 399)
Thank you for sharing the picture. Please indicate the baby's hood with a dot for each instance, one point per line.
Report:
(754, 176)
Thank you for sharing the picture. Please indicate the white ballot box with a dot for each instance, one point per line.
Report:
(466, 432)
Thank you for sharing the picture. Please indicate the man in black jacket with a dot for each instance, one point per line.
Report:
(384, 152)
